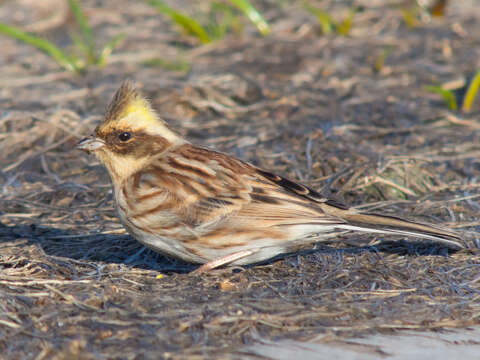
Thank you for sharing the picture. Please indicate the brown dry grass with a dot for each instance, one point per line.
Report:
(310, 107)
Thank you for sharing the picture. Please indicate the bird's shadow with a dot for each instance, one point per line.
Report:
(105, 248)
(124, 249)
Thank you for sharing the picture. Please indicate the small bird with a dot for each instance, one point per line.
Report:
(206, 207)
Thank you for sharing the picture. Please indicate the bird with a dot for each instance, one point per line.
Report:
(209, 208)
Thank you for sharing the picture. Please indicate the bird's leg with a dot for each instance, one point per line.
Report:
(223, 261)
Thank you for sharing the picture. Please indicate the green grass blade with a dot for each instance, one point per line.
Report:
(219, 26)
(87, 31)
(81, 45)
(471, 93)
(108, 49)
(410, 17)
(189, 25)
(324, 19)
(345, 26)
(448, 96)
(60, 57)
(253, 15)
(380, 59)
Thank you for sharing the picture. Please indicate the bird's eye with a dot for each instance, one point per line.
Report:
(124, 136)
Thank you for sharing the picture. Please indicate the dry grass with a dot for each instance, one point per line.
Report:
(72, 284)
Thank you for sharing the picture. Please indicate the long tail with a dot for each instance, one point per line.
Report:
(392, 225)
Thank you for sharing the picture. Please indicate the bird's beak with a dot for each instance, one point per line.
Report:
(90, 144)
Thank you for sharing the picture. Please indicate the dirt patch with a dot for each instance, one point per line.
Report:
(313, 108)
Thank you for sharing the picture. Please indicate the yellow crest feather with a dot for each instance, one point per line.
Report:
(130, 111)
(127, 101)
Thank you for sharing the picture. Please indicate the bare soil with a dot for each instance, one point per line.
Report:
(320, 109)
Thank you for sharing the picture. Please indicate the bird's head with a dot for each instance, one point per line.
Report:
(130, 135)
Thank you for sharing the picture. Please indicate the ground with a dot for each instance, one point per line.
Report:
(347, 115)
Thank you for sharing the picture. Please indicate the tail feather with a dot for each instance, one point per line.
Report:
(392, 225)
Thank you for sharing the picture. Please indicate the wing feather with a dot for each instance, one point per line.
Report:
(255, 195)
